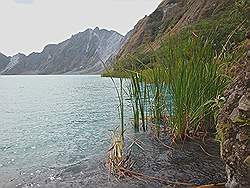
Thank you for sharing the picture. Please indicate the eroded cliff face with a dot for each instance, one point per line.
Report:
(169, 18)
(234, 128)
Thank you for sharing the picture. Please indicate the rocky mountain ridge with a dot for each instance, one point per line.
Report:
(83, 53)
(169, 18)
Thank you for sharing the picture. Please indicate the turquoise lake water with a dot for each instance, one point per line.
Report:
(52, 121)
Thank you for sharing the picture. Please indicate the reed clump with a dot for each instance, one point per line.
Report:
(177, 94)
(137, 91)
(194, 78)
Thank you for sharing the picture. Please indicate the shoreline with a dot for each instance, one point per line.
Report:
(186, 163)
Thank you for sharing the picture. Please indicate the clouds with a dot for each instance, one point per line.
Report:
(24, 1)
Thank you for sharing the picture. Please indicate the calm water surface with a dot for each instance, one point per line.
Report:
(51, 122)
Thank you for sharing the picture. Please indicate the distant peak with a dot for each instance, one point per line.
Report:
(97, 29)
(49, 46)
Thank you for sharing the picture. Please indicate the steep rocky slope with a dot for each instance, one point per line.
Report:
(169, 18)
(233, 126)
(81, 54)
(4, 60)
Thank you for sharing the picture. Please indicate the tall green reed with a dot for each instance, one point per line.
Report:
(156, 94)
(147, 91)
(193, 77)
(119, 88)
(138, 93)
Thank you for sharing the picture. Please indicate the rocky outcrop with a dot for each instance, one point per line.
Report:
(4, 61)
(110, 62)
(234, 127)
(83, 53)
(168, 18)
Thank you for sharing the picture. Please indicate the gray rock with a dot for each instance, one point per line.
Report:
(234, 114)
(244, 104)
(4, 61)
(248, 54)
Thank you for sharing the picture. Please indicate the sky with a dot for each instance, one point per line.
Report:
(29, 25)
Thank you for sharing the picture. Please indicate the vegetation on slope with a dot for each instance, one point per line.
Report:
(217, 27)
(189, 71)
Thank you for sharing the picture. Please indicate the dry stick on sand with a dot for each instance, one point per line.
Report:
(204, 149)
(139, 143)
(169, 147)
(212, 185)
(132, 173)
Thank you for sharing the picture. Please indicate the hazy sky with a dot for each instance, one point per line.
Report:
(29, 25)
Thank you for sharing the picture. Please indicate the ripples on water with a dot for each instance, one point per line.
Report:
(52, 121)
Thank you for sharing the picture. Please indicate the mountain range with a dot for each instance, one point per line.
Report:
(83, 53)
